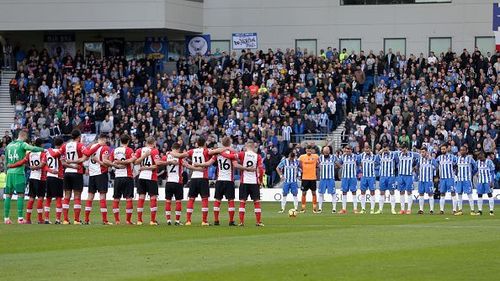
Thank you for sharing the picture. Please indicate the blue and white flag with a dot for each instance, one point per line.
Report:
(197, 44)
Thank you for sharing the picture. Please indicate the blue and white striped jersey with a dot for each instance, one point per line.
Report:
(485, 171)
(327, 167)
(349, 166)
(427, 169)
(406, 162)
(446, 163)
(465, 168)
(368, 163)
(387, 164)
(290, 169)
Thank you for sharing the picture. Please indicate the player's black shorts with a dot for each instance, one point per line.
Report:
(54, 187)
(308, 185)
(199, 187)
(98, 183)
(147, 186)
(73, 181)
(224, 188)
(37, 188)
(173, 189)
(251, 190)
(124, 187)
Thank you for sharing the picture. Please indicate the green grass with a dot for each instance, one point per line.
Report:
(309, 247)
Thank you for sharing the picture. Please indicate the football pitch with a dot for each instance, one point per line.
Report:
(309, 247)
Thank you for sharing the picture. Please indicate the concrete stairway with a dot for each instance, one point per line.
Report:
(7, 111)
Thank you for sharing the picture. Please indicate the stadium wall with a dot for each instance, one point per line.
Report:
(280, 22)
(100, 15)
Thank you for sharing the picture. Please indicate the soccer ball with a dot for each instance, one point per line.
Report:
(292, 213)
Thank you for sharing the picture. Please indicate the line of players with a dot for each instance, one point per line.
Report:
(58, 173)
(396, 171)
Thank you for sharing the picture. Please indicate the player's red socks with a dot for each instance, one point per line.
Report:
(168, 209)
(140, 209)
(242, 211)
(39, 209)
(189, 210)
(204, 209)
(116, 209)
(78, 208)
(46, 209)
(29, 209)
(104, 210)
(59, 208)
(88, 209)
(216, 210)
(178, 210)
(231, 210)
(153, 208)
(65, 208)
(128, 209)
(303, 201)
(258, 211)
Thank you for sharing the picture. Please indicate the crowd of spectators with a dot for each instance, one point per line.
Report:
(272, 97)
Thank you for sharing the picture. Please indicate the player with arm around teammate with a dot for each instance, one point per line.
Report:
(123, 159)
(226, 161)
(37, 181)
(148, 158)
(72, 159)
(250, 182)
(98, 177)
(174, 185)
(16, 180)
(55, 174)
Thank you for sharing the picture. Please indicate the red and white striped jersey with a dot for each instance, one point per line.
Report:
(95, 168)
(250, 159)
(54, 163)
(148, 162)
(73, 150)
(123, 153)
(225, 168)
(174, 172)
(35, 159)
(199, 155)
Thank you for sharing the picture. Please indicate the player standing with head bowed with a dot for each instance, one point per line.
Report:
(250, 182)
(426, 172)
(446, 162)
(368, 162)
(327, 178)
(349, 181)
(466, 167)
(388, 179)
(288, 170)
(309, 165)
(407, 162)
(485, 180)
